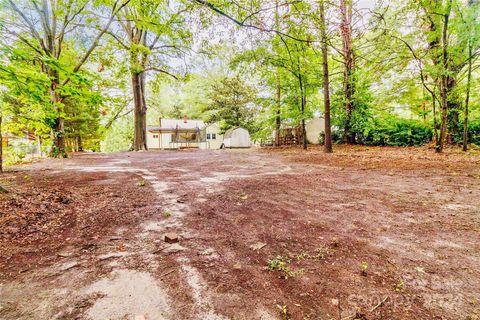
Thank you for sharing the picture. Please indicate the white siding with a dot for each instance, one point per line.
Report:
(159, 141)
(217, 142)
(152, 143)
(239, 138)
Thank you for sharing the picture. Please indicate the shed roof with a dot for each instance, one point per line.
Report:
(229, 132)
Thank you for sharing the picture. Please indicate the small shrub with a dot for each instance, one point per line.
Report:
(283, 311)
(364, 268)
(280, 263)
(18, 151)
(337, 136)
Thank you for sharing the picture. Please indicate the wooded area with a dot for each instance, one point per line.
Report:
(90, 75)
(297, 159)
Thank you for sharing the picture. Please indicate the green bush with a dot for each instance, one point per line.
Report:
(474, 132)
(337, 136)
(395, 131)
(391, 131)
(18, 151)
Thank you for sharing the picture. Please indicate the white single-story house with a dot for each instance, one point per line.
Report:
(236, 138)
(183, 133)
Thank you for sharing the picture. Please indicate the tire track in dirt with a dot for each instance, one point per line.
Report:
(113, 304)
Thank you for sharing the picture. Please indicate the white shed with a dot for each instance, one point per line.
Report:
(236, 138)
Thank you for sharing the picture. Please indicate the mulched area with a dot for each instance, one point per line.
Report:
(363, 233)
(45, 211)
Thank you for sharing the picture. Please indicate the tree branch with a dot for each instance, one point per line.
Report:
(243, 24)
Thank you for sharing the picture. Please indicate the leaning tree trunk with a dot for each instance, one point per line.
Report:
(326, 82)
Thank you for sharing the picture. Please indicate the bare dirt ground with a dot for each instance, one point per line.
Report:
(364, 233)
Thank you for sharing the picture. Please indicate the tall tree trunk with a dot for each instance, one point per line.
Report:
(444, 78)
(278, 120)
(326, 82)
(144, 111)
(79, 144)
(434, 110)
(58, 150)
(304, 131)
(467, 97)
(303, 102)
(453, 111)
(139, 141)
(348, 63)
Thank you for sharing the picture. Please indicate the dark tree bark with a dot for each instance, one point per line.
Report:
(140, 112)
(348, 64)
(303, 102)
(326, 82)
(444, 79)
(278, 120)
(434, 110)
(79, 144)
(453, 111)
(56, 100)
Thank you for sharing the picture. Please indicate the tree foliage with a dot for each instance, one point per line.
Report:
(75, 73)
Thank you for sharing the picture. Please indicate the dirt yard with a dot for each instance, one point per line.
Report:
(364, 233)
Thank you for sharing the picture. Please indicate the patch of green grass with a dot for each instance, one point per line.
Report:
(321, 253)
(302, 256)
(280, 263)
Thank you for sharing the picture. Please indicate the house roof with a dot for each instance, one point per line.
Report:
(181, 124)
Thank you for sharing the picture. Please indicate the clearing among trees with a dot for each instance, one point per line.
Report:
(212, 159)
(365, 233)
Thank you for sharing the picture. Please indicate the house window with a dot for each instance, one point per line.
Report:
(208, 136)
(155, 136)
(214, 136)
